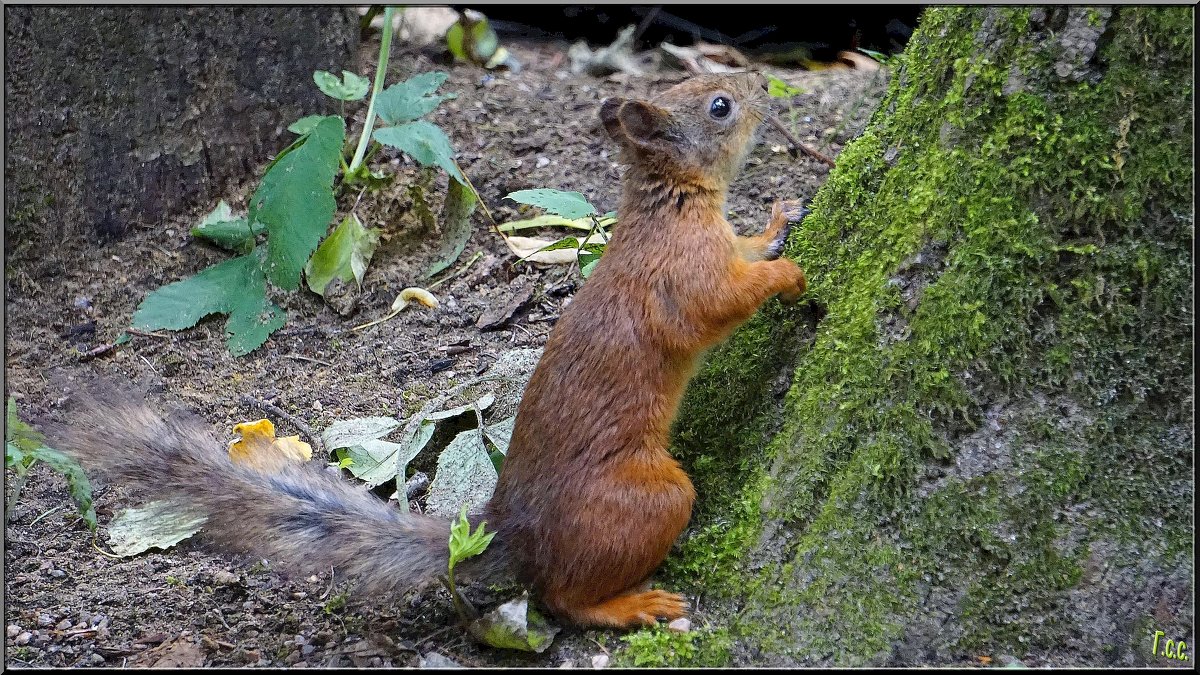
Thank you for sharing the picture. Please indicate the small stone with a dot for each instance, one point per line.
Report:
(248, 605)
(12, 630)
(24, 638)
(317, 405)
(65, 624)
(292, 659)
(57, 574)
(95, 659)
(313, 579)
(680, 625)
(299, 640)
(99, 621)
(225, 578)
(436, 660)
(307, 650)
(299, 595)
(44, 620)
(600, 661)
(567, 664)
(543, 162)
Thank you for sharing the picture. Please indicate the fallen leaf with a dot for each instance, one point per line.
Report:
(456, 225)
(496, 316)
(529, 249)
(157, 524)
(178, 653)
(465, 475)
(343, 255)
(414, 294)
(259, 449)
(617, 57)
(374, 460)
(514, 625)
(860, 62)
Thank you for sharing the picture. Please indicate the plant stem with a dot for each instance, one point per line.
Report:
(18, 485)
(380, 71)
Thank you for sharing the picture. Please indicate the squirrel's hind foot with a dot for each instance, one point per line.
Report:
(631, 610)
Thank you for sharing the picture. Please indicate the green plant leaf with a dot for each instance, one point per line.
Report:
(570, 205)
(13, 457)
(777, 88)
(411, 99)
(350, 88)
(589, 256)
(425, 142)
(343, 255)
(23, 445)
(295, 201)
(17, 432)
(304, 125)
(77, 481)
(456, 225)
(463, 542)
(224, 229)
(235, 287)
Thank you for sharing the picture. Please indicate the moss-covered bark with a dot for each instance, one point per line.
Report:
(986, 446)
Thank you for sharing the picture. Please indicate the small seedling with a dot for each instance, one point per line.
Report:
(24, 447)
(464, 544)
(295, 204)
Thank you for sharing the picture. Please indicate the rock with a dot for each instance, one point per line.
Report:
(680, 625)
(95, 660)
(65, 624)
(57, 574)
(600, 661)
(44, 620)
(12, 630)
(225, 578)
(24, 638)
(436, 660)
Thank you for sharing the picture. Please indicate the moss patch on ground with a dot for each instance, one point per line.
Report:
(1002, 378)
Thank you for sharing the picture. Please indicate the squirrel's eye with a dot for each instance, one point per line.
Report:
(720, 108)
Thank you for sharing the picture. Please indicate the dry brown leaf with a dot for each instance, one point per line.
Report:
(259, 449)
(860, 62)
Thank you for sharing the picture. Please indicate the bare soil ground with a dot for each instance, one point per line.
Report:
(69, 604)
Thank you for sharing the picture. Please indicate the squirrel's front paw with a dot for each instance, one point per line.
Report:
(790, 296)
(794, 210)
(790, 212)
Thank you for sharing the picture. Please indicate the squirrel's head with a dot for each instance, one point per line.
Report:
(698, 130)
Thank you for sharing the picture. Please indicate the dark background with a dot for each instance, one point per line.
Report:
(825, 30)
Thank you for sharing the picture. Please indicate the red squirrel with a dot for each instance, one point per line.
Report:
(588, 501)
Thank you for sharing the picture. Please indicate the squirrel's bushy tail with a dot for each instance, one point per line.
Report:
(302, 517)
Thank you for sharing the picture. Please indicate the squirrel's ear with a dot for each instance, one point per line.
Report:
(644, 124)
(635, 123)
(608, 116)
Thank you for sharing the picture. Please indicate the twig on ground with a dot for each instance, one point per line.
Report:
(296, 421)
(796, 142)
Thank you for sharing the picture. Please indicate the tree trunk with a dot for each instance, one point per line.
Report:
(119, 115)
(985, 446)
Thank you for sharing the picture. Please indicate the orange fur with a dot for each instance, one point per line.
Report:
(589, 501)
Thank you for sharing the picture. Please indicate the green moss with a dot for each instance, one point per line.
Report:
(999, 241)
(722, 429)
(663, 648)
